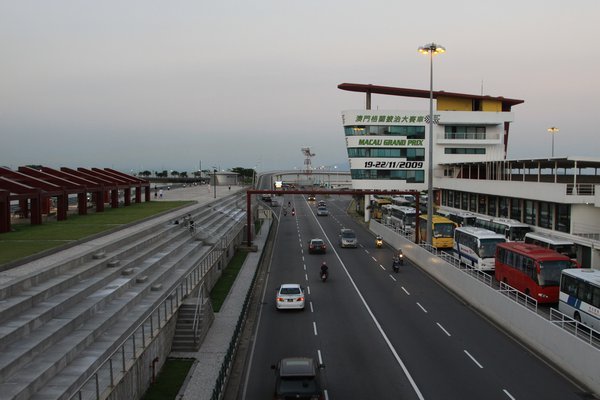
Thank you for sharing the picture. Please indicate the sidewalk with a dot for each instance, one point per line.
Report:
(209, 359)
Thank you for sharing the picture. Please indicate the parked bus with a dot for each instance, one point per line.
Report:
(513, 230)
(403, 200)
(461, 218)
(442, 231)
(563, 246)
(377, 207)
(580, 296)
(477, 246)
(531, 269)
(401, 216)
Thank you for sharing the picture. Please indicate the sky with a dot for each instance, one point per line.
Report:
(181, 85)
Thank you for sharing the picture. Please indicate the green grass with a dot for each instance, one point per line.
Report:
(169, 380)
(26, 239)
(223, 285)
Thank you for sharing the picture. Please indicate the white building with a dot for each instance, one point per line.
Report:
(387, 151)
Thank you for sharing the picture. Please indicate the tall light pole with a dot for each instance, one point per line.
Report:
(553, 131)
(430, 49)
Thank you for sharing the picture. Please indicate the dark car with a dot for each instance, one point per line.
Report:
(297, 378)
(311, 197)
(316, 246)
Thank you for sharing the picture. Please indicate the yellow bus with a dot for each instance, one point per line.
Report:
(377, 204)
(442, 231)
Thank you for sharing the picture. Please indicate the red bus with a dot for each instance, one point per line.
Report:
(531, 269)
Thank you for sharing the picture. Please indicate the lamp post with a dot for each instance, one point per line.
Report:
(430, 49)
(215, 182)
(553, 130)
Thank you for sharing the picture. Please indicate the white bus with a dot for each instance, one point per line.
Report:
(461, 218)
(563, 246)
(513, 230)
(579, 296)
(401, 216)
(477, 247)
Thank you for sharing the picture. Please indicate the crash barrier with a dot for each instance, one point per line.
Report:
(558, 339)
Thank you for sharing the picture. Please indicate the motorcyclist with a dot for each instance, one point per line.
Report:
(378, 241)
(324, 269)
(396, 264)
(293, 211)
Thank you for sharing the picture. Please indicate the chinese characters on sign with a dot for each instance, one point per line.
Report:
(396, 119)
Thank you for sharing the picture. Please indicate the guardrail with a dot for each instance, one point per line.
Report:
(575, 327)
(117, 364)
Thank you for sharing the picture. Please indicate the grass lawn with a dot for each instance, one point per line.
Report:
(27, 239)
(169, 379)
(223, 285)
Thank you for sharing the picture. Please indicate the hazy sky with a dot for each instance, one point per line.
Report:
(168, 84)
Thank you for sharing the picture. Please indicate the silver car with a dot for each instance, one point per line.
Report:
(348, 238)
(290, 296)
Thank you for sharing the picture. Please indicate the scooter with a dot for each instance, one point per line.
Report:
(378, 242)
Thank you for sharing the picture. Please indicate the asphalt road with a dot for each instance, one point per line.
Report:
(383, 335)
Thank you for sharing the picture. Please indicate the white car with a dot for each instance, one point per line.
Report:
(290, 296)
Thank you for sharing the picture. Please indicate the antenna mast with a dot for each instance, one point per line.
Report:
(307, 160)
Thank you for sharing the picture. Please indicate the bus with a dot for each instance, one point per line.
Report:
(442, 231)
(513, 230)
(461, 218)
(580, 296)
(477, 246)
(563, 246)
(401, 216)
(377, 207)
(403, 200)
(531, 269)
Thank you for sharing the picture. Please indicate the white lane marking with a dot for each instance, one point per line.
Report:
(422, 308)
(394, 279)
(442, 328)
(382, 267)
(315, 328)
(308, 289)
(311, 307)
(305, 267)
(306, 277)
(473, 358)
(405, 291)
(302, 257)
(374, 319)
(320, 358)
(508, 394)
(326, 394)
(374, 259)
(367, 251)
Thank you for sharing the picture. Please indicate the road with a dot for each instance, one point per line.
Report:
(380, 334)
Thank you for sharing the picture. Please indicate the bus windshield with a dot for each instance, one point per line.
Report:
(443, 229)
(517, 233)
(566, 249)
(488, 247)
(550, 272)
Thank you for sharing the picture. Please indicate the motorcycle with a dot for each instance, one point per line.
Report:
(400, 257)
(324, 275)
(378, 242)
(396, 265)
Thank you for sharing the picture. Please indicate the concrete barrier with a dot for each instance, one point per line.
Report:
(567, 352)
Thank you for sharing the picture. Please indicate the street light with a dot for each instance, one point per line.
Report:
(430, 49)
(553, 130)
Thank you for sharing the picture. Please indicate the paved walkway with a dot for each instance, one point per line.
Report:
(200, 384)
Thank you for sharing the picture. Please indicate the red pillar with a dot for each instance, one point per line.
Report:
(4, 211)
(114, 198)
(82, 203)
(127, 200)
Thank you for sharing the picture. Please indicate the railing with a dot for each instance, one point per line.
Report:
(575, 327)
(581, 189)
(99, 384)
(572, 326)
(218, 390)
(469, 136)
(518, 297)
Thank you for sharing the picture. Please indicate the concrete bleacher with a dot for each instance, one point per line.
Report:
(61, 317)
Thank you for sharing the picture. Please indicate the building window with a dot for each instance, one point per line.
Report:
(504, 203)
(410, 176)
(481, 204)
(464, 201)
(457, 196)
(563, 218)
(530, 212)
(464, 132)
(473, 202)
(546, 215)
(458, 150)
(411, 132)
(492, 205)
(515, 209)
(410, 154)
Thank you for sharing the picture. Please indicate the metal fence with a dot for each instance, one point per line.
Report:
(575, 327)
